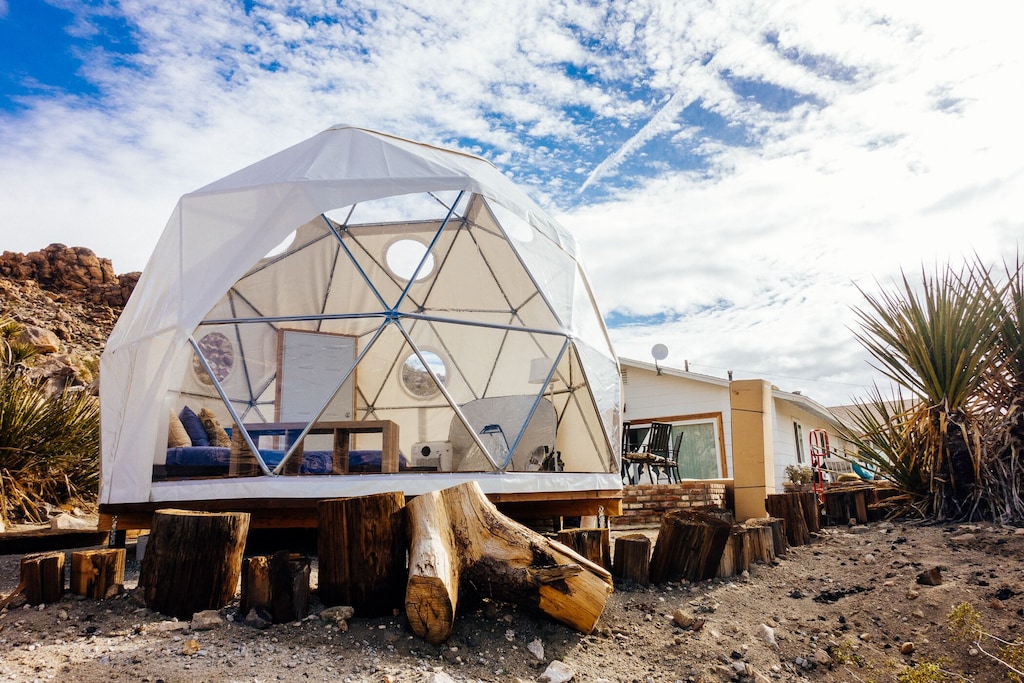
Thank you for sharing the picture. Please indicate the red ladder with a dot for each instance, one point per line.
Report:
(819, 451)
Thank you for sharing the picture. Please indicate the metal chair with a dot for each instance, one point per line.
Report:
(631, 468)
(658, 447)
(654, 453)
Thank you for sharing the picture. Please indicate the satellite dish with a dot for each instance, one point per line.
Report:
(660, 352)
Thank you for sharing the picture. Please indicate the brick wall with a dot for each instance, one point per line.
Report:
(644, 504)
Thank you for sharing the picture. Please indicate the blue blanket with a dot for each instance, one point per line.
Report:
(194, 461)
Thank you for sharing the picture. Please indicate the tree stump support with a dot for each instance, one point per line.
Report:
(843, 503)
(361, 546)
(788, 507)
(193, 560)
(95, 572)
(592, 544)
(762, 540)
(778, 531)
(633, 559)
(42, 578)
(727, 565)
(460, 540)
(277, 584)
(811, 507)
(690, 545)
(745, 546)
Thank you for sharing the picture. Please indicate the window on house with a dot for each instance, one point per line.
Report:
(696, 448)
(798, 432)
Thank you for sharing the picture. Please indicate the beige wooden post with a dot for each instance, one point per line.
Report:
(753, 455)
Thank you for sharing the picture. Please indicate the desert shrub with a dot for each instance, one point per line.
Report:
(964, 623)
(923, 672)
(952, 434)
(49, 447)
(12, 351)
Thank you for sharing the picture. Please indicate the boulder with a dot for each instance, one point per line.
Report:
(206, 620)
(42, 340)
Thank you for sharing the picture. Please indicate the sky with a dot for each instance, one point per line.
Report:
(739, 174)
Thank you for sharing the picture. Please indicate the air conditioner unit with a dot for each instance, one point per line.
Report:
(432, 454)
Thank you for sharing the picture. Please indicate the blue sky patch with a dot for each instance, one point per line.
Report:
(43, 50)
(768, 96)
(619, 319)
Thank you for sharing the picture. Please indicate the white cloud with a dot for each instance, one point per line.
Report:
(904, 150)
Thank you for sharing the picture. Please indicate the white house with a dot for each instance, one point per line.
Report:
(745, 430)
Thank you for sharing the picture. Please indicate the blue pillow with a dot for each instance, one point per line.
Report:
(194, 427)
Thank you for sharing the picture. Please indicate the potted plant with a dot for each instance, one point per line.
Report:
(800, 478)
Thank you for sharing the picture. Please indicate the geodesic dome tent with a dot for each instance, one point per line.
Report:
(360, 313)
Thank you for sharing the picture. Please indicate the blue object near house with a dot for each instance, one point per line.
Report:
(866, 475)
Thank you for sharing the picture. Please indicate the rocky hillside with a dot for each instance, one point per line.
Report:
(68, 300)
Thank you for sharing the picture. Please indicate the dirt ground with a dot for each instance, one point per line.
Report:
(848, 607)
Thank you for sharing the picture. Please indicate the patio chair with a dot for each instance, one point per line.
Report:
(658, 447)
(632, 467)
(654, 454)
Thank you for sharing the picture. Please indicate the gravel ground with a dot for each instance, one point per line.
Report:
(848, 607)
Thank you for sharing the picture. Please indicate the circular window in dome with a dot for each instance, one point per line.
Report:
(415, 378)
(219, 354)
(404, 256)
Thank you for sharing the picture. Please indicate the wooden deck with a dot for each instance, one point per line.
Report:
(286, 513)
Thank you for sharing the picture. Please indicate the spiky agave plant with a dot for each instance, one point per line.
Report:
(49, 446)
(937, 341)
(888, 442)
(12, 351)
(1001, 403)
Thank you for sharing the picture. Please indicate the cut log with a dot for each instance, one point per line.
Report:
(811, 507)
(778, 530)
(42, 575)
(633, 558)
(846, 502)
(461, 541)
(744, 555)
(727, 565)
(193, 560)
(435, 567)
(741, 550)
(277, 584)
(592, 544)
(256, 586)
(95, 572)
(788, 507)
(361, 546)
(762, 542)
(690, 545)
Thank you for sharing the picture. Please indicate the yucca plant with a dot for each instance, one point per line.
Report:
(889, 444)
(1001, 404)
(49, 447)
(941, 341)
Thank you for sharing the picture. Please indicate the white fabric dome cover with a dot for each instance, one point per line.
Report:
(359, 276)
